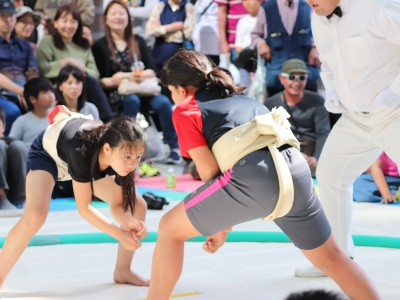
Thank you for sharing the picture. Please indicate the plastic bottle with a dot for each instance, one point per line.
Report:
(171, 179)
(398, 194)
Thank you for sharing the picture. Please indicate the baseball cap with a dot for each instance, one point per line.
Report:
(294, 65)
(7, 6)
(26, 10)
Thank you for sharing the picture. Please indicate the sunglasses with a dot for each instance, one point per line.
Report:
(293, 77)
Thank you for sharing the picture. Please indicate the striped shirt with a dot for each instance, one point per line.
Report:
(235, 11)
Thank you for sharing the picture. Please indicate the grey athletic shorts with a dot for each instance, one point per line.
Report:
(250, 191)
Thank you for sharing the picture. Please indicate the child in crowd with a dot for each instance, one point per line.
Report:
(71, 92)
(40, 99)
(380, 183)
(101, 160)
(243, 36)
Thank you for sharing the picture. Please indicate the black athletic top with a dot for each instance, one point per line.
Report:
(82, 157)
(202, 119)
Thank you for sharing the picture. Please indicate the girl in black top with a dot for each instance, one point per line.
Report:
(101, 160)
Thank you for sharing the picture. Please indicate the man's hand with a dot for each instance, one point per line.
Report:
(264, 51)
(22, 102)
(313, 57)
(214, 242)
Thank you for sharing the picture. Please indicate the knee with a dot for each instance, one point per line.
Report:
(161, 103)
(167, 229)
(132, 99)
(18, 147)
(34, 220)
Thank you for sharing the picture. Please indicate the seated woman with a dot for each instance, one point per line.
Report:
(71, 92)
(27, 24)
(115, 53)
(66, 46)
(380, 183)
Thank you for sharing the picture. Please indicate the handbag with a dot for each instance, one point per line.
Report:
(148, 87)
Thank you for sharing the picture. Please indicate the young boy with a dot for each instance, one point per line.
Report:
(40, 98)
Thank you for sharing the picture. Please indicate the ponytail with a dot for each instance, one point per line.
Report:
(191, 68)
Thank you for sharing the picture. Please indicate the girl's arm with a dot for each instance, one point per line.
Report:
(205, 162)
(83, 195)
(380, 181)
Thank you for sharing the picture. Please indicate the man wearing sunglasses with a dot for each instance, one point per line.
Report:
(308, 116)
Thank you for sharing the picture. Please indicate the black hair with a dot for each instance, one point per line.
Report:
(63, 76)
(34, 86)
(315, 295)
(119, 132)
(191, 68)
(67, 9)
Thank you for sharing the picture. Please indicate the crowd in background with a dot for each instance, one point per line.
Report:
(62, 52)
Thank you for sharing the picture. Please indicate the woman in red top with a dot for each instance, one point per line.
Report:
(209, 105)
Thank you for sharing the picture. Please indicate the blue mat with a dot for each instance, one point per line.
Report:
(65, 204)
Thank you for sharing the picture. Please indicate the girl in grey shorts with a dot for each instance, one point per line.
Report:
(208, 108)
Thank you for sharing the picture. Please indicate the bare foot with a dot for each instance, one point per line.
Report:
(130, 277)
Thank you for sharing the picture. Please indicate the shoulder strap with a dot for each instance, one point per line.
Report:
(208, 6)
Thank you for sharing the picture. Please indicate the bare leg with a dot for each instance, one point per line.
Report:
(175, 228)
(122, 273)
(39, 185)
(343, 270)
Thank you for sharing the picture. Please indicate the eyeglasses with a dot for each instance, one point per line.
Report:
(292, 77)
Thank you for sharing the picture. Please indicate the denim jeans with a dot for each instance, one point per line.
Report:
(366, 190)
(13, 159)
(12, 112)
(161, 106)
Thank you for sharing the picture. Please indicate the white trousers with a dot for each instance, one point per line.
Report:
(354, 143)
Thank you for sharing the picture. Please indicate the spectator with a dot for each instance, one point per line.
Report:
(229, 14)
(308, 116)
(243, 35)
(67, 46)
(140, 11)
(170, 22)
(27, 22)
(39, 95)
(17, 63)
(114, 54)
(283, 31)
(48, 9)
(379, 184)
(205, 32)
(71, 92)
(12, 168)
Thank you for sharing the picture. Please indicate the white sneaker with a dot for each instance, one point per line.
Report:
(308, 272)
